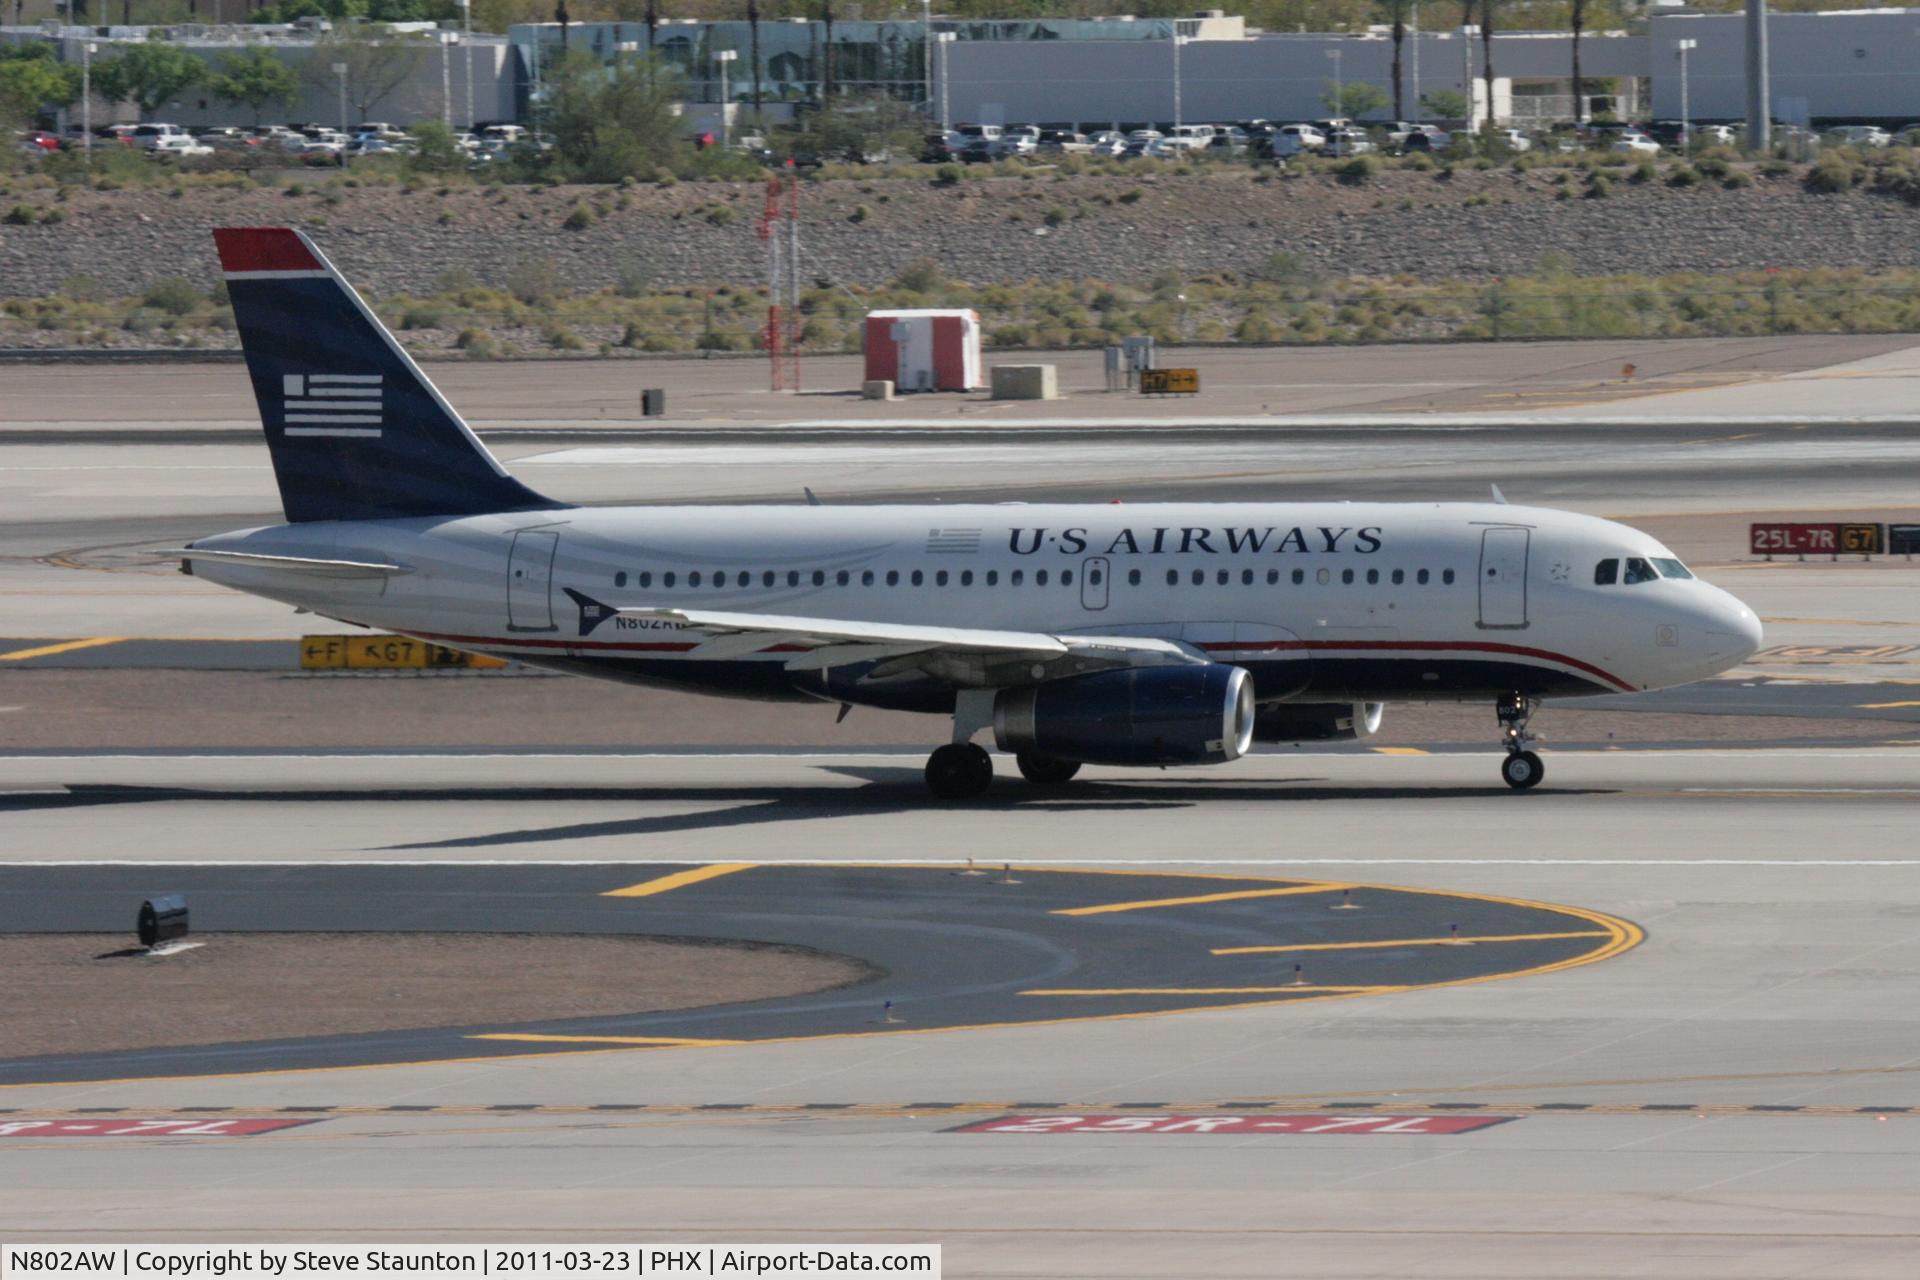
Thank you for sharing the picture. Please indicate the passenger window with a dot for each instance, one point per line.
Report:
(1399, 576)
(842, 578)
(1066, 577)
(1638, 571)
(669, 577)
(1273, 577)
(1299, 577)
(766, 579)
(1670, 568)
(1040, 578)
(620, 579)
(940, 578)
(1133, 577)
(1246, 577)
(1199, 577)
(819, 577)
(646, 578)
(993, 577)
(966, 577)
(1223, 577)
(893, 577)
(1017, 577)
(720, 579)
(1606, 573)
(1173, 577)
(793, 577)
(1322, 577)
(1373, 577)
(866, 579)
(1346, 577)
(693, 579)
(1421, 577)
(1446, 577)
(918, 577)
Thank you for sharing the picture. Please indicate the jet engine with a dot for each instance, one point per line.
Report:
(1317, 721)
(1137, 716)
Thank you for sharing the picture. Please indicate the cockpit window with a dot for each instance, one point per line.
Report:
(1670, 568)
(1606, 573)
(1638, 571)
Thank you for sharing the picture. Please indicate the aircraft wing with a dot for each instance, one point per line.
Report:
(964, 655)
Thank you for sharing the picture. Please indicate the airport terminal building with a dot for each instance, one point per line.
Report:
(1836, 67)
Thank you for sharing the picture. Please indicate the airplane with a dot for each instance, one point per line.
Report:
(1134, 635)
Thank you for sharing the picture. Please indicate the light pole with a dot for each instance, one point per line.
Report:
(726, 58)
(1759, 98)
(340, 69)
(944, 39)
(926, 55)
(1681, 48)
(1179, 42)
(466, 29)
(86, 97)
(1416, 61)
(1339, 101)
(447, 40)
(1467, 33)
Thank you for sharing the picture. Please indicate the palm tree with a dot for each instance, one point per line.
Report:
(826, 15)
(1486, 50)
(753, 39)
(1578, 23)
(1397, 12)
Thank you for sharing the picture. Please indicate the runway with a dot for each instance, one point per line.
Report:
(1737, 1094)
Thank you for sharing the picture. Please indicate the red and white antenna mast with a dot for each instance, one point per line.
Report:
(780, 231)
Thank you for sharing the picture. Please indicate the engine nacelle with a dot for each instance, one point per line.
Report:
(1138, 716)
(1318, 721)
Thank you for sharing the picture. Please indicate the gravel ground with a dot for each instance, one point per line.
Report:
(87, 992)
(1475, 224)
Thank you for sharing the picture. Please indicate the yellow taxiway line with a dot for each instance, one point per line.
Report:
(66, 646)
(679, 880)
(1200, 991)
(1410, 942)
(1234, 896)
(662, 1042)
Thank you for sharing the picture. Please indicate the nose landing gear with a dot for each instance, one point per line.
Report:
(1522, 768)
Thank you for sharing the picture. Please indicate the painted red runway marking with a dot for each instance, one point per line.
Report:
(1234, 1124)
(123, 1127)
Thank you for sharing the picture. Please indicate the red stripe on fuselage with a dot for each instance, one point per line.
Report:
(1264, 646)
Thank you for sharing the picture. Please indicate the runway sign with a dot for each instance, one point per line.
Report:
(386, 653)
(122, 1127)
(1239, 1125)
(1169, 382)
(1903, 539)
(1827, 539)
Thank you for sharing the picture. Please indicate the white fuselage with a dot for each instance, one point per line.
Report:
(1322, 601)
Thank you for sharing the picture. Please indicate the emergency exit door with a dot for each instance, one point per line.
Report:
(530, 580)
(1503, 578)
(1093, 583)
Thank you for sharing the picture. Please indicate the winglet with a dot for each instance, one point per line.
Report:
(251, 251)
(1498, 496)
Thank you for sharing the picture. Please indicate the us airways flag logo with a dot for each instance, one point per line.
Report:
(592, 612)
(332, 404)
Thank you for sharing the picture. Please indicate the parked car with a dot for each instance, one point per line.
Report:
(1430, 142)
(149, 136)
(1714, 135)
(1064, 142)
(1107, 142)
(1228, 140)
(1306, 136)
(1861, 135)
(938, 148)
(1632, 142)
(1348, 142)
(1016, 140)
(178, 148)
(1190, 137)
(1514, 139)
(38, 142)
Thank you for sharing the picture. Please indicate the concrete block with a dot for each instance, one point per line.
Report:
(876, 389)
(1025, 382)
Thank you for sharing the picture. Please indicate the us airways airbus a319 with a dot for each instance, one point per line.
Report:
(1145, 635)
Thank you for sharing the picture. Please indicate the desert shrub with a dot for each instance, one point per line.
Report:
(172, 295)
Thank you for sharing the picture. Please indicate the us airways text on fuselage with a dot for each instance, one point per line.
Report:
(1196, 540)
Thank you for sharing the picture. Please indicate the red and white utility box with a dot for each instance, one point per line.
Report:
(924, 350)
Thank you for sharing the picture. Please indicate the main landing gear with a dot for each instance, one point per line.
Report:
(1522, 768)
(959, 771)
(1045, 771)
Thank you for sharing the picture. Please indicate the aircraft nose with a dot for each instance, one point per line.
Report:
(1735, 632)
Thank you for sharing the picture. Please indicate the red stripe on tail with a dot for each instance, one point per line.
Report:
(263, 249)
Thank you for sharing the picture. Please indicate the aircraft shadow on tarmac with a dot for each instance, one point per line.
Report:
(887, 791)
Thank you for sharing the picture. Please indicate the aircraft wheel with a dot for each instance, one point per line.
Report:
(1046, 771)
(959, 771)
(1522, 770)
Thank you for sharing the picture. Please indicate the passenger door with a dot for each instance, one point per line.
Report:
(530, 580)
(1094, 572)
(1503, 578)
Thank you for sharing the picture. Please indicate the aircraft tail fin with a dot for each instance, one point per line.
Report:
(356, 431)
